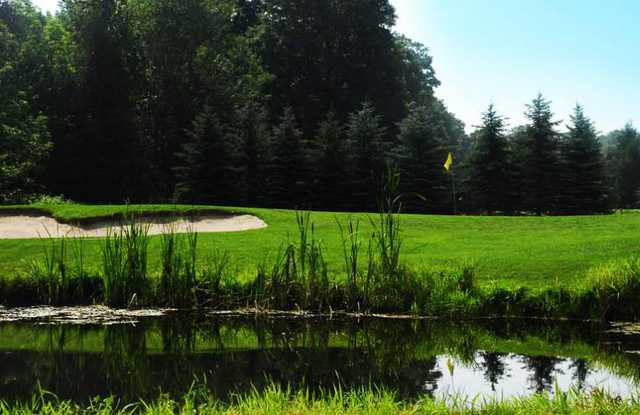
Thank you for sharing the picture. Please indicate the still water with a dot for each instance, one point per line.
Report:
(413, 358)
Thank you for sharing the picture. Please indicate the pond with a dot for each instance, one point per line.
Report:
(489, 358)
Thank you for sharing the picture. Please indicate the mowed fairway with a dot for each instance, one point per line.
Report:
(515, 251)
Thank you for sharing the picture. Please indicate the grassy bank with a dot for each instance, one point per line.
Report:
(367, 266)
(516, 251)
(278, 401)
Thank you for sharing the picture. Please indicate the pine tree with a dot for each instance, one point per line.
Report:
(365, 135)
(540, 167)
(287, 166)
(253, 130)
(106, 132)
(584, 189)
(623, 162)
(420, 156)
(517, 139)
(489, 166)
(331, 161)
(210, 169)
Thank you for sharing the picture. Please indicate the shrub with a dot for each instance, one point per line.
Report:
(616, 288)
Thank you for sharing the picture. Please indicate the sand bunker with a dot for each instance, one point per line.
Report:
(27, 227)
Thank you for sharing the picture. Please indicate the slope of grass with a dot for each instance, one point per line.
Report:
(535, 252)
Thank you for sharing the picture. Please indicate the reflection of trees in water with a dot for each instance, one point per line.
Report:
(493, 367)
(235, 355)
(323, 355)
(126, 369)
(393, 350)
(541, 370)
(580, 372)
(52, 367)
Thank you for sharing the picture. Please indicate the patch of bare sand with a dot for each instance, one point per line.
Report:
(28, 227)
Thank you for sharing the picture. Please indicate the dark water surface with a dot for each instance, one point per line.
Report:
(166, 355)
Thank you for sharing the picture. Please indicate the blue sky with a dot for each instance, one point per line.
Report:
(506, 51)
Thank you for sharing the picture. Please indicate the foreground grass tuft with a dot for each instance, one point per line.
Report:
(275, 400)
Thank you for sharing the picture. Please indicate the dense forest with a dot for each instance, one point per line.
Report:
(284, 103)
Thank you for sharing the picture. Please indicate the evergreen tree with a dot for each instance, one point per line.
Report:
(517, 140)
(210, 169)
(253, 130)
(365, 135)
(334, 54)
(420, 156)
(623, 161)
(115, 84)
(540, 167)
(331, 161)
(287, 167)
(106, 133)
(584, 185)
(489, 166)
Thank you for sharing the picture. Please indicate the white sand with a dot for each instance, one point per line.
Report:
(27, 227)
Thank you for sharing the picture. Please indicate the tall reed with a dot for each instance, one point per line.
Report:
(387, 225)
(298, 275)
(313, 268)
(216, 280)
(350, 250)
(178, 278)
(50, 273)
(124, 263)
(60, 275)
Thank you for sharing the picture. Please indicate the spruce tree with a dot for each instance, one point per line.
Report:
(540, 168)
(489, 166)
(331, 161)
(287, 165)
(365, 134)
(420, 155)
(623, 161)
(210, 166)
(584, 189)
(517, 140)
(253, 131)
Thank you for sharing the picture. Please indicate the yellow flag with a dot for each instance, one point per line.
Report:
(449, 162)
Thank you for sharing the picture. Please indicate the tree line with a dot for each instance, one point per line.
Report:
(284, 103)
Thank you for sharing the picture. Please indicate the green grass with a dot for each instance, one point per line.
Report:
(534, 252)
(315, 262)
(276, 400)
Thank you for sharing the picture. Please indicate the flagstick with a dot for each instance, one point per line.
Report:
(453, 188)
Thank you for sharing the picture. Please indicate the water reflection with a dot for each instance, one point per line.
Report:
(515, 376)
(413, 358)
